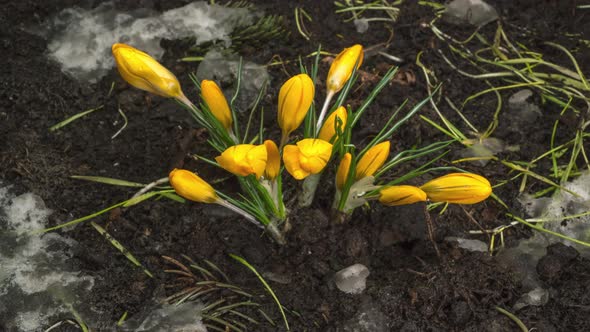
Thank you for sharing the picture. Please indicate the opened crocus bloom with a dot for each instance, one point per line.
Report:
(342, 67)
(401, 195)
(342, 172)
(336, 120)
(273, 162)
(145, 73)
(190, 186)
(459, 188)
(372, 160)
(215, 100)
(244, 159)
(295, 98)
(309, 156)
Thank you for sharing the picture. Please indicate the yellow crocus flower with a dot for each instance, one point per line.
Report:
(295, 98)
(401, 195)
(144, 72)
(244, 159)
(328, 130)
(309, 156)
(190, 186)
(460, 188)
(372, 160)
(343, 169)
(215, 100)
(273, 162)
(342, 67)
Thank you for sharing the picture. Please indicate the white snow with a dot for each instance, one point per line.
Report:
(81, 39)
(36, 276)
(352, 279)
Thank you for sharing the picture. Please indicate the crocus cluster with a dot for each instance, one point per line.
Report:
(258, 166)
(458, 188)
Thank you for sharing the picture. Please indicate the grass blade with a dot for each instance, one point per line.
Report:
(266, 285)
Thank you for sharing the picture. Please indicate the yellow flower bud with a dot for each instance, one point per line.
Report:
(401, 195)
(190, 186)
(328, 130)
(372, 160)
(309, 156)
(342, 172)
(273, 162)
(342, 67)
(295, 98)
(215, 100)
(244, 159)
(145, 73)
(460, 188)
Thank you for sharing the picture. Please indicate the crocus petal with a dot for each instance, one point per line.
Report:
(244, 159)
(315, 154)
(342, 67)
(291, 156)
(328, 130)
(343, 169)
(309, 156)
(401, 195)
(273, 162)
(217, 103)
(295, 98)
(144, 72)
(190, 186)
(459, 188)
(372, 160)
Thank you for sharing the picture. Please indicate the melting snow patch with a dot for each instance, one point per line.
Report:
(81, 39)
(38, 280)
(469, 244)
(475, 12)
(564, 205)
(183, 317)
(224, 70)
(352, 279)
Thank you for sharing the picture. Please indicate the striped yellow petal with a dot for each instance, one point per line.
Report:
(459, 188)
(372, 160)
(216, 102)
(144, 72)
(244, 159)
(190, 186)
(401, 195)
(342, 67)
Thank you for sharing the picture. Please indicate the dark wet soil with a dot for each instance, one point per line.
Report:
(409, 288)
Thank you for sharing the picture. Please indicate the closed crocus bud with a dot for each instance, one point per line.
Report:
(309, 156)
(273, 161)
(328, 130)
(372, 160)
(295, 98)
(343, 169)
(460, 188)
(342, 67)
(190, 186)
(401, 195)
(215, 100)
(244, 159)
(145, 73)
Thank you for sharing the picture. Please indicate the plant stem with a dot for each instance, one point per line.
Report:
(310, 185)
(324, 111)
(275, 233)
(239, 211)
(271, 228)
(149, 187)
(284, 139)
(183, 99)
